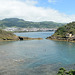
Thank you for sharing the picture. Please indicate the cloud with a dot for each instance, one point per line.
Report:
(28, 11)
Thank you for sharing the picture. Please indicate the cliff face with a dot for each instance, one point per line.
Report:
(66, 32)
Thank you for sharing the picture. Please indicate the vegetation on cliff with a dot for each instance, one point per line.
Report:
(66, 32)
(63, 71)
(10, 22)
(62, 31)
(4, 35)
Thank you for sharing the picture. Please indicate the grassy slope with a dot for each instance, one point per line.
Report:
(4, 35)
(62, 31)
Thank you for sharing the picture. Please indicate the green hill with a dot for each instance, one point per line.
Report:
(66, 32)
(4, 35)
(9, 36)
(10, 22)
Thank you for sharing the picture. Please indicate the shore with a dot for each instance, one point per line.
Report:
(60, 39)
(21, 38)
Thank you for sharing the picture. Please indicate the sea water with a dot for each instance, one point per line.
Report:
(36, 57)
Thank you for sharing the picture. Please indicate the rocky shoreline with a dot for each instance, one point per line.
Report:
(64, 33)
(9, 36)
(61, 39)
(27, 38)
(20, 38)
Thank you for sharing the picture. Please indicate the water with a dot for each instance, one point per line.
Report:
(35, 57)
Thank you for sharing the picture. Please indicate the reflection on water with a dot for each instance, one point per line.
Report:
(35, 57)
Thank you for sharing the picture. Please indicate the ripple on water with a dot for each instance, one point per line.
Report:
(36, 57)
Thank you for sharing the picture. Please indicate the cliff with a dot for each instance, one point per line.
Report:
(66, 33)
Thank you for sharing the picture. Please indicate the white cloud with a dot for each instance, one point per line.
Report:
(28, 11)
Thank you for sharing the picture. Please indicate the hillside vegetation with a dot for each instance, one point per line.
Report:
(66, 32)
(4, 35)
(10, 22)
(63, 71)
(9, 36)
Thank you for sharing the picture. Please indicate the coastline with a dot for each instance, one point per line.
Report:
(19, 38)
(61, 39)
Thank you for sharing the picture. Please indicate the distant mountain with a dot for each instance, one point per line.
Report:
(10, 22)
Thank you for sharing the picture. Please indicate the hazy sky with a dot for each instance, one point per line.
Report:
(38, 10)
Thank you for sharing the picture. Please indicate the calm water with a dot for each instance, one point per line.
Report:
(35, 57)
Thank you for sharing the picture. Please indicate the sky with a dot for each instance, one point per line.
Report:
(62, 11)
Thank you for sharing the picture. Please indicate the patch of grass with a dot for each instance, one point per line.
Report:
(4, 35)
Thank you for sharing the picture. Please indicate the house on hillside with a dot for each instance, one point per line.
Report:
(68, 35)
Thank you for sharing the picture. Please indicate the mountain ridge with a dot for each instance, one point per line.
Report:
(10, 22)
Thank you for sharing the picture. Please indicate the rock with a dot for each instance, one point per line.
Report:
(27, 38)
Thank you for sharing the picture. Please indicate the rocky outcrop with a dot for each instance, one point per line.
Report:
(4, 36)
(69, 39)
(64, 33)
(16, 38)
(27, 38)
(8, 36)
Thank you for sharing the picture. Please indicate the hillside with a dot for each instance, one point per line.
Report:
(4, 35)
(66, 32)
(9, 36)
(10, 22)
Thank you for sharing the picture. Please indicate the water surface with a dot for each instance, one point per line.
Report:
(35, 57)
